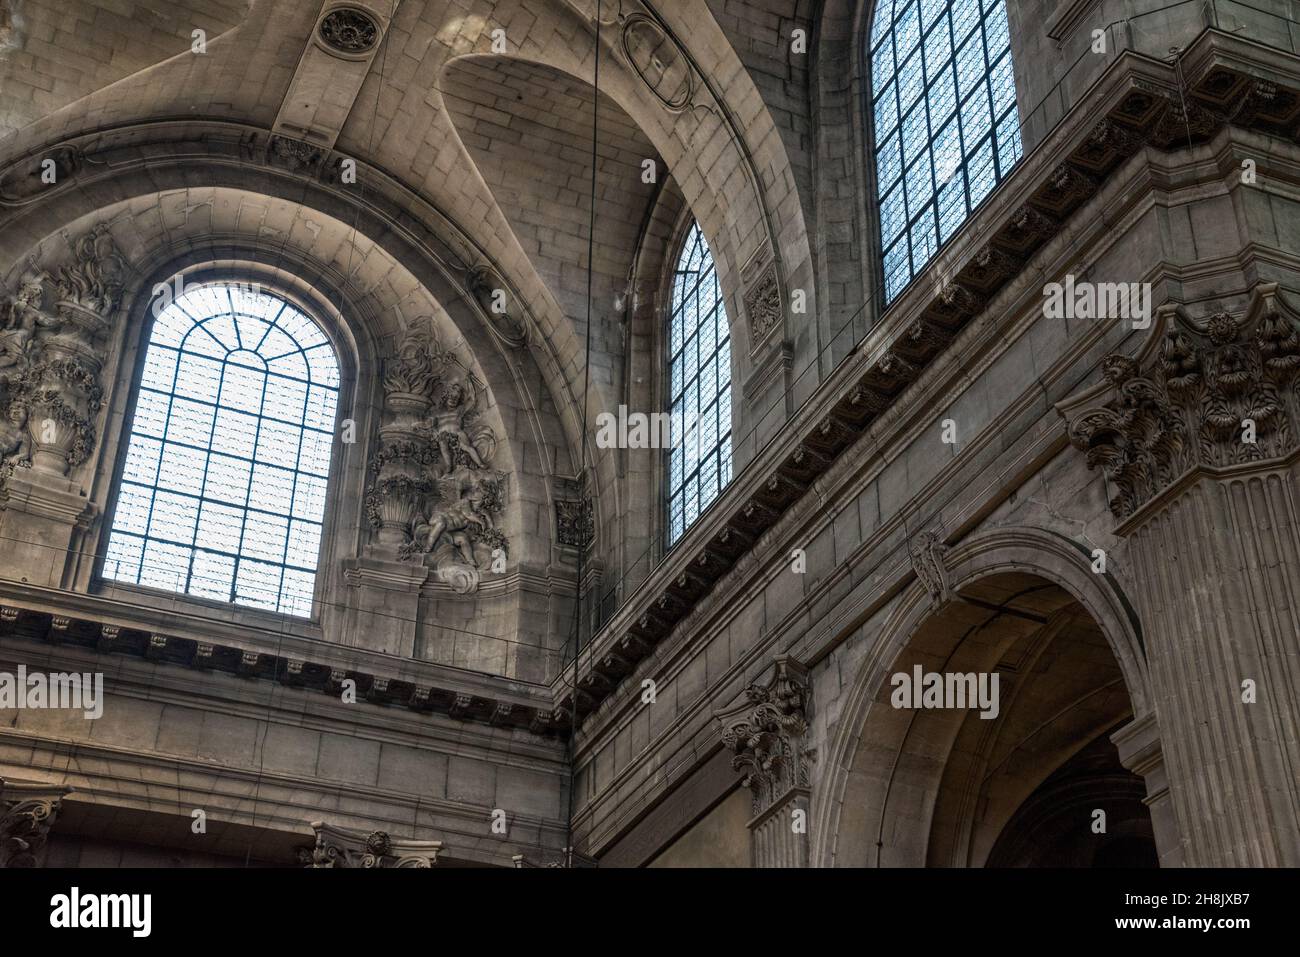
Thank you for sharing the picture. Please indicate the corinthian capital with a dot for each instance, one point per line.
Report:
(1212, 393)
(347, 847)
(765, 728)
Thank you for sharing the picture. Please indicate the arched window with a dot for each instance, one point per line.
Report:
(699, 393)
(946, 126)
(222, 494)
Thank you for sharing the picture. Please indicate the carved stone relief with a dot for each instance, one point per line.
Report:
(39, 176)
(658, 61)
(763, 305)
(574, 525)
(434, 494)
(347, 847)
(51, 358)
(349, 30)
(1215, 392)
(765, 730)
(489, 290)
(27, 811)
(928, 552)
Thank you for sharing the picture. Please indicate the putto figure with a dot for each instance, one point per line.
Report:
(22, 314)
(15, 443)
(448, 424)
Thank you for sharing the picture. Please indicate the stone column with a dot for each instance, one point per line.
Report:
(1199, 439)
(27, 811)
(765, 728)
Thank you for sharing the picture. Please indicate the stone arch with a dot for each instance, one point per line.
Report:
(739, 184)
(373, 297)
(844, 811)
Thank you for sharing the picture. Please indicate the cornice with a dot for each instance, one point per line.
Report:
(460, 823)
(112, 627)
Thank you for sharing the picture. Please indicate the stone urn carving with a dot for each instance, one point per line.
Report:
(52, 360)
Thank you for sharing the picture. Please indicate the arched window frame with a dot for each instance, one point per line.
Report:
(316, 308)
(687, 231)
(949, 186)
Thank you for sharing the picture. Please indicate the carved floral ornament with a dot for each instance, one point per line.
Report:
(349, 31)
(763, 306)
(929, 553)
(765, 729)
(52, 337)
(434, 493)
(1211, 393)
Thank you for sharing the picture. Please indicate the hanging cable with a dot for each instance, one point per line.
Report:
(583, 498)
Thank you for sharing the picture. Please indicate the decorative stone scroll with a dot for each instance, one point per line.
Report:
(1214, 392)
(51, 358)
(27, 811)
(347, 847)
(434, 494)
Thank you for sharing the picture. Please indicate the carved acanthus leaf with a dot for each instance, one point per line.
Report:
(1218, 392)
(765, 728)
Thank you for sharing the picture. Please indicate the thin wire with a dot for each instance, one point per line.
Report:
(582, 493)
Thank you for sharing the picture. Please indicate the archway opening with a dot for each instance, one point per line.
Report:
(988, 739)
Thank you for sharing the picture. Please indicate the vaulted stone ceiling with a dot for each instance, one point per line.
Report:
(528, 128)
(53, 53)
(413, 109)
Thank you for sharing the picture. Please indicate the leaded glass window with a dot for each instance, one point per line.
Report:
(699, 387)
(222, 493)
(946, 126)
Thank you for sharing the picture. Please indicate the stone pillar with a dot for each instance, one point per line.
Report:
(27, 811)
(1199, 439)
(348, 847)
(1139, 751)
(765, 728)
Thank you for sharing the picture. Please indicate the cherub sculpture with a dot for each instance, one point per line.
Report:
(22, 314)
(15, 443)
(460, 511)
(449, 423)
